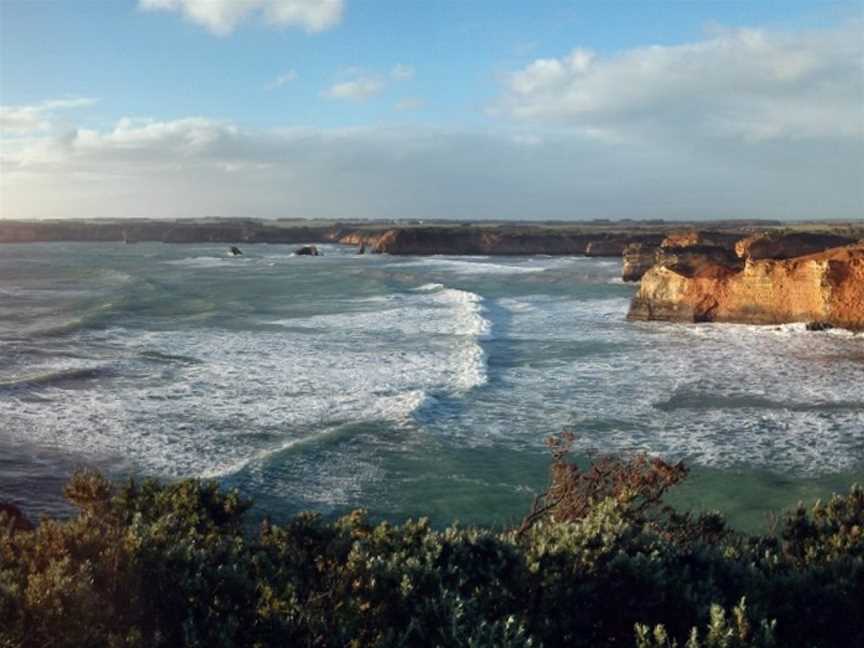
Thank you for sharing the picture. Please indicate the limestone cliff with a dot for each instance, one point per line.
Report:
(640, 257)
(780, 245)
(827, 287)
(468, 240)
(494, 241)
(214, 231)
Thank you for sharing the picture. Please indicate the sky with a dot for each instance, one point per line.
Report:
(466, 109)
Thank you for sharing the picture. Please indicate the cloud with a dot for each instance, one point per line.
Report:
(410, 103)
(744, 123)
(402, 72)
(740, 83)
(283, 79)
(221, 17)
(358, 89)
(178, 168)
(22, 120)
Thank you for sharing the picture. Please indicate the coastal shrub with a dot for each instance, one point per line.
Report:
(609, 564)
(722, 632)
(639, 481)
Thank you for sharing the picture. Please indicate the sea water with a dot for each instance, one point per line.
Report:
(405, 385)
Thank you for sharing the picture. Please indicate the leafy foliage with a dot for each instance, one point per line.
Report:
(600, 561)
(722, 632)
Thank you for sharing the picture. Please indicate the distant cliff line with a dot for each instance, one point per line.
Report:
(596, 238)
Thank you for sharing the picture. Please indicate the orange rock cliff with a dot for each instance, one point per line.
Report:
(825, 287)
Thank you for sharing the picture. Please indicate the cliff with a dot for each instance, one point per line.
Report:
(214, 231)
(638, 241)
(641, 257)
(781, 245)
(499, 240)
(827, 287)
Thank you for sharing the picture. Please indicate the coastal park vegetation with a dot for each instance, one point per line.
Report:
(599, 560)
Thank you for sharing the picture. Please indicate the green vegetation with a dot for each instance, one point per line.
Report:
(599, 561)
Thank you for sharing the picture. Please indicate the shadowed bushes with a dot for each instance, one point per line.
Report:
(599, 561)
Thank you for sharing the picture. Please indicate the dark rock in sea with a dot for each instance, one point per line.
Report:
(819, 326)
(235, 251)
(307, 250)
(14, 518)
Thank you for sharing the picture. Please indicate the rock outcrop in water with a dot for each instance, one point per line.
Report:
(826, 287)
(308, 250)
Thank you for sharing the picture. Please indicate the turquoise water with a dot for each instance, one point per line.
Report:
(405, 385)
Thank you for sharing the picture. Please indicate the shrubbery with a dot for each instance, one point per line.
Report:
(600, 561)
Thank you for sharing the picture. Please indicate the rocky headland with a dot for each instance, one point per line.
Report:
(727, 271)
(500, 240)
(590, 238)
(641, 257)
(769, 278)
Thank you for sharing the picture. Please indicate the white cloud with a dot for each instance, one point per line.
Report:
(283, 79)
(364, 85)
(358, 89)
(221, 17)
(742, 124)
(178, 168)
(402, 72)
(22, 120)
(410, 103)
(743, 83)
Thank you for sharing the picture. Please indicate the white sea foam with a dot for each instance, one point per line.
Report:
(464, 267)
(435, 311)
(250, 394)
(203, 262)
(231, 394)
(778, 397)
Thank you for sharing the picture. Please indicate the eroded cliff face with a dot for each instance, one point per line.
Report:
(641, 257)
(615, 247)
(779, 245)
(441, 240)
(690, 238)
(493, 241)
(825, 287)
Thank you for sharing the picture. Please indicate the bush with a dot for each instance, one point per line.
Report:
(600, 561)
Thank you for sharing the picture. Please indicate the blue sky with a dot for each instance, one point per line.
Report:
(340, 108)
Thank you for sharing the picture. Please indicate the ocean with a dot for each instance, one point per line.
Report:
(408, 386)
